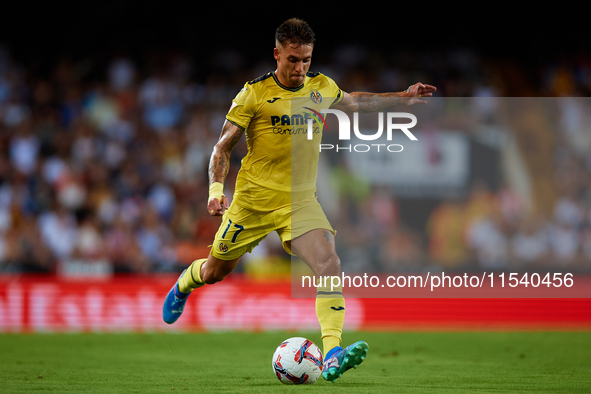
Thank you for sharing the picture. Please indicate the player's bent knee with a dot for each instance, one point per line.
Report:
(329, 266)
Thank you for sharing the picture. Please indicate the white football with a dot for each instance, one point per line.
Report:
(297, 361)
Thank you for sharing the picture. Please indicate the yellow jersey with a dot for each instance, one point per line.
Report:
(281, 165)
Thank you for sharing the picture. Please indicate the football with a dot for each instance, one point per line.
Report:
(297, 360)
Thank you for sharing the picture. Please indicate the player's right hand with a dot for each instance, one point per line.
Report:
(215, 207)
(217, 203)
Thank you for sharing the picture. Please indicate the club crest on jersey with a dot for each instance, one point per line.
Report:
(223, 247)
(316, 97)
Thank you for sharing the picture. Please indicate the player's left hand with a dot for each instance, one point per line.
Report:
(419, 90)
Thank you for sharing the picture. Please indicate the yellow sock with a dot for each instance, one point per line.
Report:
(330, 342)
(330, 311)
(192, 277)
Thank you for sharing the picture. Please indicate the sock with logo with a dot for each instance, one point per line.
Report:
(330, 311)
(192, 278)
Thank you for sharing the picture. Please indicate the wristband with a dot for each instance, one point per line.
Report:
(216, 190)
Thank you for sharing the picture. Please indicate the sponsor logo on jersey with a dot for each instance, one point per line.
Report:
(295, 124)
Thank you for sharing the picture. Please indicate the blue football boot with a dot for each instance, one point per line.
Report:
(339, 360)
(174, 303)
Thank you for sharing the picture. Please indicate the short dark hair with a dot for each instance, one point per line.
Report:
(294, 31)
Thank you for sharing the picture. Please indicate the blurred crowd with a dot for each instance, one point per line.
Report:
(486, 230)
(108, 173)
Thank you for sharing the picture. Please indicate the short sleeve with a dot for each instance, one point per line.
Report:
(242, 109)
(336, 92)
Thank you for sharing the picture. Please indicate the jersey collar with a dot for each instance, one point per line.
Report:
(285, 87)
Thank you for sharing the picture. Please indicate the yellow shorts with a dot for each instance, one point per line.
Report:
(243, 229)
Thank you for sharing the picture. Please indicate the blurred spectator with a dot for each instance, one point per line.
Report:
(569, 211)
(25, 250)
(488, 240)
(161, 99)
(403, 251)
(156, 240)
(564, 241)
(512, 206)
(24, 149)
(123, 249)
(480, 202)
(529, 245)
(58, 230)
(446, 231)
(88, 241)
(70, 189)
(121, 73)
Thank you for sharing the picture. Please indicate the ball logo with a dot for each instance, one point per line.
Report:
(223, 247)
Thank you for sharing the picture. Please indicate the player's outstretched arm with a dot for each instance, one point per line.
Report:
(370, 102)
(219, 164)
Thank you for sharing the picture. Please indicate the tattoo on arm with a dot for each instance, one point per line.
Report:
(327, 235)
(219, 163)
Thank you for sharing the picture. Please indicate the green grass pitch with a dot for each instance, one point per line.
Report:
(438, 362)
